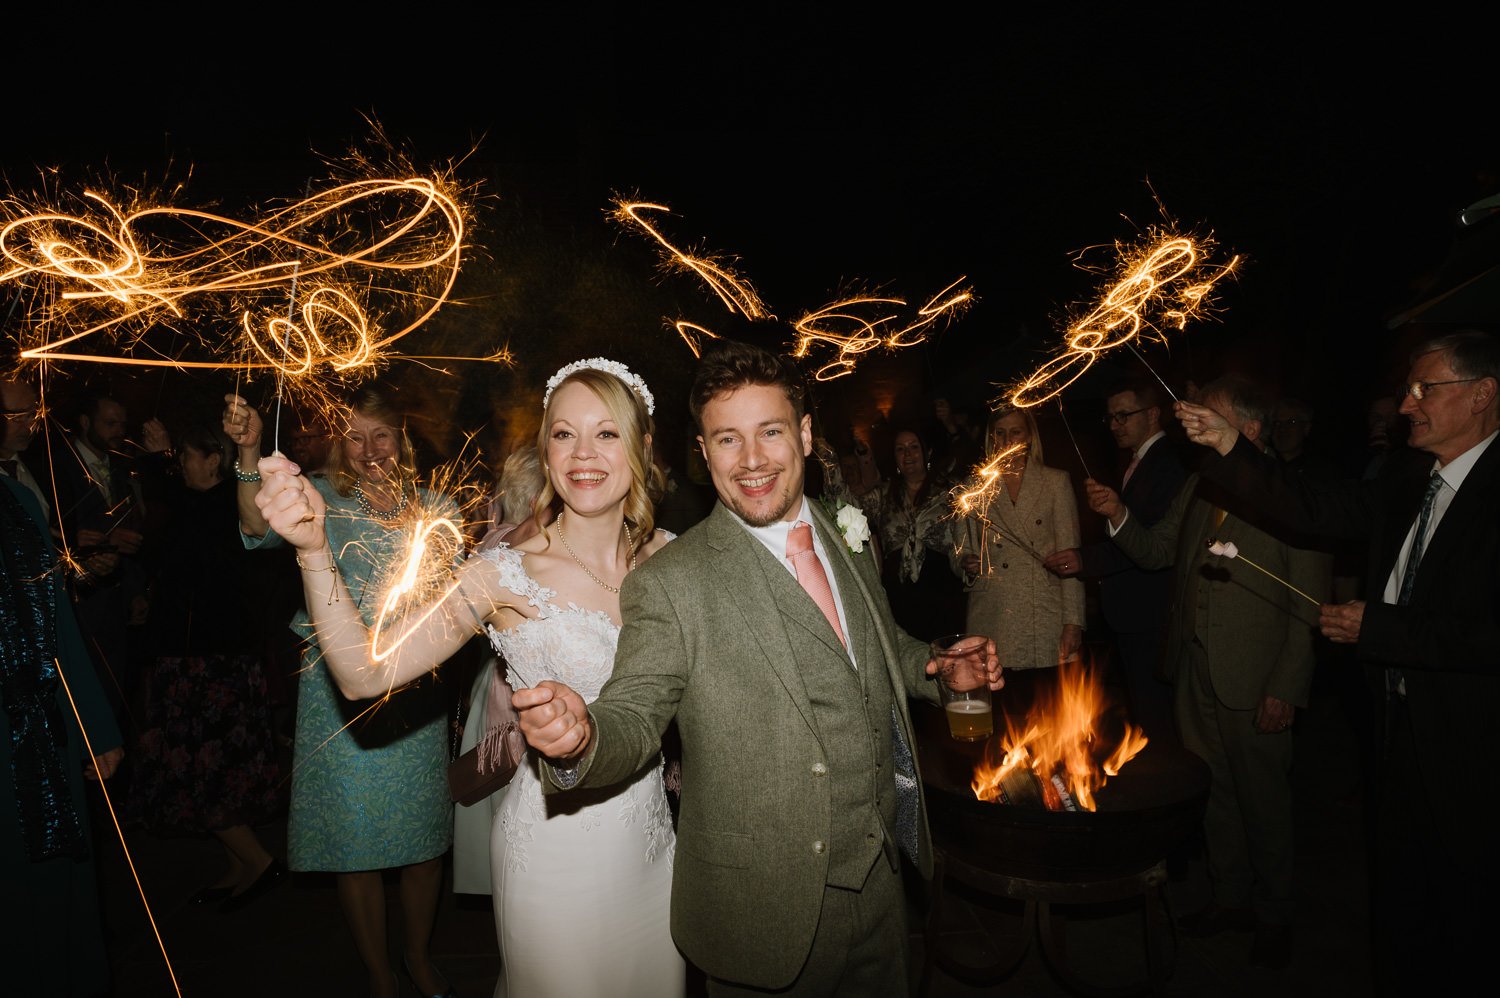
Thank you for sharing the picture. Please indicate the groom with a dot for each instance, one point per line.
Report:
(773, 646)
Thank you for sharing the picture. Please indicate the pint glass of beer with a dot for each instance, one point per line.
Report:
(963, 686)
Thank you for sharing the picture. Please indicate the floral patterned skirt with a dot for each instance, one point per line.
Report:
(206, 758)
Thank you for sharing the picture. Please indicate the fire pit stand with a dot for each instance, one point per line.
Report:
(1046, 858)
(1038, 919)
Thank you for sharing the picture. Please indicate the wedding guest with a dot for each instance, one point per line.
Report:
(368, 785)
(206, 761)
(911, 513)
(1035, 618)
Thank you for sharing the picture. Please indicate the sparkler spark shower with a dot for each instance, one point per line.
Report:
(363, 263)
(1157, 285)
(852, 326)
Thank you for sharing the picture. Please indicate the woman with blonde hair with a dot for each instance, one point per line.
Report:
(368, 782)
(582, 881)
(1035, 617)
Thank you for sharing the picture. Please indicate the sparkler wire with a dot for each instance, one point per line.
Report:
(1068, 426)
(89, 747)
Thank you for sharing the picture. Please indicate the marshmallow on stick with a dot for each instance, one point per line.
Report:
(1227, 549)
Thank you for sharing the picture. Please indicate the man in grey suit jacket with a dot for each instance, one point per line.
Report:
(1240, 656)
(799, 785)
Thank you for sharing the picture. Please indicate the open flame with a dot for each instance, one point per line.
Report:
(1058, 745)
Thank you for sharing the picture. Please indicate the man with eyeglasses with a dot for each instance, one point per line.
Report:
(18, 409)
(1429, 632)
(1134, 601)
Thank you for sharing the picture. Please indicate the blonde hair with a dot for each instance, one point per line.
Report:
(636, 427)
(374, 402)
(1034, 438)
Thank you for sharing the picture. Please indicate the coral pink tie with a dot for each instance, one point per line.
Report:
(799, 551)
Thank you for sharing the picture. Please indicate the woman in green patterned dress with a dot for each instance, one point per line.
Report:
(368, 786)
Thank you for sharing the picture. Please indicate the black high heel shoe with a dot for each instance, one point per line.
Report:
(210, 895)
(268, 879)
(406, 967)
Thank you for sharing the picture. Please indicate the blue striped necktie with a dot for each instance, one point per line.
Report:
(1409, 574)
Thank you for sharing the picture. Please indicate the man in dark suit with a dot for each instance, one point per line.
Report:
(1239, 652)
(799, 786)
(100, 511)
(1432, 519)
(1134, 599)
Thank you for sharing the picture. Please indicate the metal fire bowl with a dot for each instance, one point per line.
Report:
(1143, 814)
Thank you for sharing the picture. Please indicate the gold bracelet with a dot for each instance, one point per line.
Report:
(333, 566)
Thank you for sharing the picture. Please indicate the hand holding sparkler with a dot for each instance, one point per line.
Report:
(290, 505)
(1206, 426)
(1105, 501)
(554, 719)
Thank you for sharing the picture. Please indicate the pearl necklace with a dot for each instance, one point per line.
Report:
(379, 514)
(598, 581)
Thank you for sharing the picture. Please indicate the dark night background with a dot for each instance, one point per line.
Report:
(825, 147)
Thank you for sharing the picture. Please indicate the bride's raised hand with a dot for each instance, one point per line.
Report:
(290, 504)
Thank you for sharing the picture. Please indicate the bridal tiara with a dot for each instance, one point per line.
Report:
(608, 366)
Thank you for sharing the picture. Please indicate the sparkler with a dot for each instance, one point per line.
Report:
(973, 501)
(1227, 549)
(1158, 285)
(861, 323)
(733, 290)
(1067, 426)
(115, 271)
(852, 326)
(130, 861)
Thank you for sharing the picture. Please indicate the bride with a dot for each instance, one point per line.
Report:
(582, 881)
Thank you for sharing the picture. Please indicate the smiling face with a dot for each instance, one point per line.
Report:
(585, 451)
(1450, 419)
(371, 448)
(755, 447)
(1009, 430)
(911, 460)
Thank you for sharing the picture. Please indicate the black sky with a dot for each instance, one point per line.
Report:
(827, 146)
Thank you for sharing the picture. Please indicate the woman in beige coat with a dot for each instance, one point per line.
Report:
(1035, 617)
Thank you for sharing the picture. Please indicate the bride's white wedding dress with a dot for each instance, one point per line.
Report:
(582, 880)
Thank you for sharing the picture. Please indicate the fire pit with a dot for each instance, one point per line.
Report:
(1044, 857)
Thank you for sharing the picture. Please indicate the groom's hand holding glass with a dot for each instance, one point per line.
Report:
(991, 673)
(555, 720)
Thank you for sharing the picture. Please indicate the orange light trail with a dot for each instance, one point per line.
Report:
(1159, 285)
(857, 325)
(851, 326)
(88, 746)
(733, 290)
(363, 248)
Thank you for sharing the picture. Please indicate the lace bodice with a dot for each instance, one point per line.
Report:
(571, 645)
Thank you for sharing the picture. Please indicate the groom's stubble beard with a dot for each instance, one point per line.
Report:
(764, 519)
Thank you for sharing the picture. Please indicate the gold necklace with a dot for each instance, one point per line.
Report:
(629, 540)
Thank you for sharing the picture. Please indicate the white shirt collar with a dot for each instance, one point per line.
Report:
(1143, 448)
(1455, 471)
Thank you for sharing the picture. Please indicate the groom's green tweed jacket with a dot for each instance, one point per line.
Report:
(718, 634)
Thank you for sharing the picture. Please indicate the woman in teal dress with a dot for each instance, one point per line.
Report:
(369, 790)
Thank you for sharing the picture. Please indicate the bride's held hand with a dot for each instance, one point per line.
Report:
(290, 504)
(554, 719)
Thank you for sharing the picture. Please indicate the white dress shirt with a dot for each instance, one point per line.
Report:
(1453, 475)
(774, 538)
(24, 477)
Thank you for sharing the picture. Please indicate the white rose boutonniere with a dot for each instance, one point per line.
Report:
(853, 525)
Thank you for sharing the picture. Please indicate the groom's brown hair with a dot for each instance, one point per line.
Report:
(729, 365)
